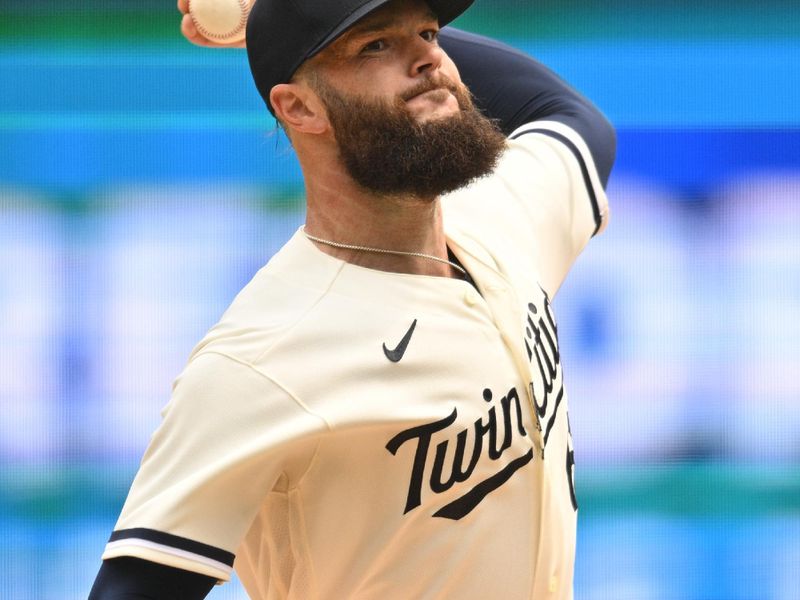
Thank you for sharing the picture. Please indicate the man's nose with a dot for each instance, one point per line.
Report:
(427, 57)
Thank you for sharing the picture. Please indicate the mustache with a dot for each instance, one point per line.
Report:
(430, 84)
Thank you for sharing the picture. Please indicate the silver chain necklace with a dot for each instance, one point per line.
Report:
(458, 268)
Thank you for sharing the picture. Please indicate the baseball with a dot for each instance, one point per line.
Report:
(220, 20)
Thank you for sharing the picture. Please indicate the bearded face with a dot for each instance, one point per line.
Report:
(389, 152)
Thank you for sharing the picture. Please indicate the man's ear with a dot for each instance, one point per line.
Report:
(298, 108)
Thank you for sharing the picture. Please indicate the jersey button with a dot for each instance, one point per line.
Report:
(471, 298)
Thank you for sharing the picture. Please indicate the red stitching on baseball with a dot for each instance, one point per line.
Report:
(245, 9)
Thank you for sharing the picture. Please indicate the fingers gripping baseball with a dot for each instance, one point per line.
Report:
(215, 23)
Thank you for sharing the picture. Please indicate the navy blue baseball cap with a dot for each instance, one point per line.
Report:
(283, 34)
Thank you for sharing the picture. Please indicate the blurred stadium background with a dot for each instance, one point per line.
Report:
(142, 184)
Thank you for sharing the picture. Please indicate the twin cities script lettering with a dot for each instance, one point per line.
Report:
(491, 436)
(541, 343)
(454, 458)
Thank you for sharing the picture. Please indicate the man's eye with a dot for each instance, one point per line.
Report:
(374, 46)
(430, 35)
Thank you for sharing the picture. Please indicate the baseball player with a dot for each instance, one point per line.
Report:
(381, 412)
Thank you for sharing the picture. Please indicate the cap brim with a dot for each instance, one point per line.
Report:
(446, 11)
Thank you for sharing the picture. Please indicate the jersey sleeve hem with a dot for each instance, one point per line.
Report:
(172, 551)
(575, 144)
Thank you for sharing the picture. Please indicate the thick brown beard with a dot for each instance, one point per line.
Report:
(386, 151)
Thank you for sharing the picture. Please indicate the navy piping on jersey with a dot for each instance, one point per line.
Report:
(598, 219)
(174, 541)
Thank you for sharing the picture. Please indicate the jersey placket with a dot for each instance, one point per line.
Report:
(506, 312)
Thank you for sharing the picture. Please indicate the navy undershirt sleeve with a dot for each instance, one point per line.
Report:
(510, 86)
(129, 578)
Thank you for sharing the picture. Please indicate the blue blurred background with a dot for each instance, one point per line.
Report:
(142, 184)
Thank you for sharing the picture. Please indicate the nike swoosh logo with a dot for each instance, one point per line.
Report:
(396, 354)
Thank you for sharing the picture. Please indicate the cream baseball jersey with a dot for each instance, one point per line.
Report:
(344, 432)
